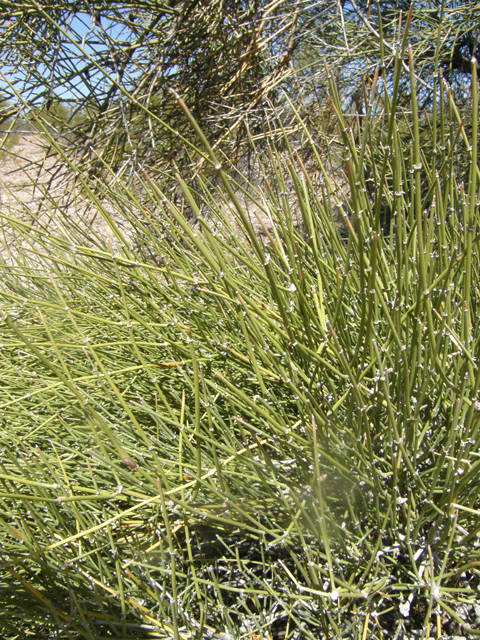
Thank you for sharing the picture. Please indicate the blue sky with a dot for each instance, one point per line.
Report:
(81, 27)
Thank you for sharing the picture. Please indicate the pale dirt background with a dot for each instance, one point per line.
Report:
(27, 163)
(24, 164)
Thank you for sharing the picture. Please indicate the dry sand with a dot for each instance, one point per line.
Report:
(33, 189)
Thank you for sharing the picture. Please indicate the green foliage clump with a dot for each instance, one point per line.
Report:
(210, 432)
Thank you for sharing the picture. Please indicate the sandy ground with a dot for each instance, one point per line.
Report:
(31, 188)
(25, 165)
(18, 166)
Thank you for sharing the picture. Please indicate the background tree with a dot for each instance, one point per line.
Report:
(231, 61)
(118, 61)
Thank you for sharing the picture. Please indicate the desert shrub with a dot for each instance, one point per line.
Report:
(210, 432)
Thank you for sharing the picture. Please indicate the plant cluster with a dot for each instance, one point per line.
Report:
(211, 433)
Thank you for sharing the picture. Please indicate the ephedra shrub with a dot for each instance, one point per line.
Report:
(210, 432)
